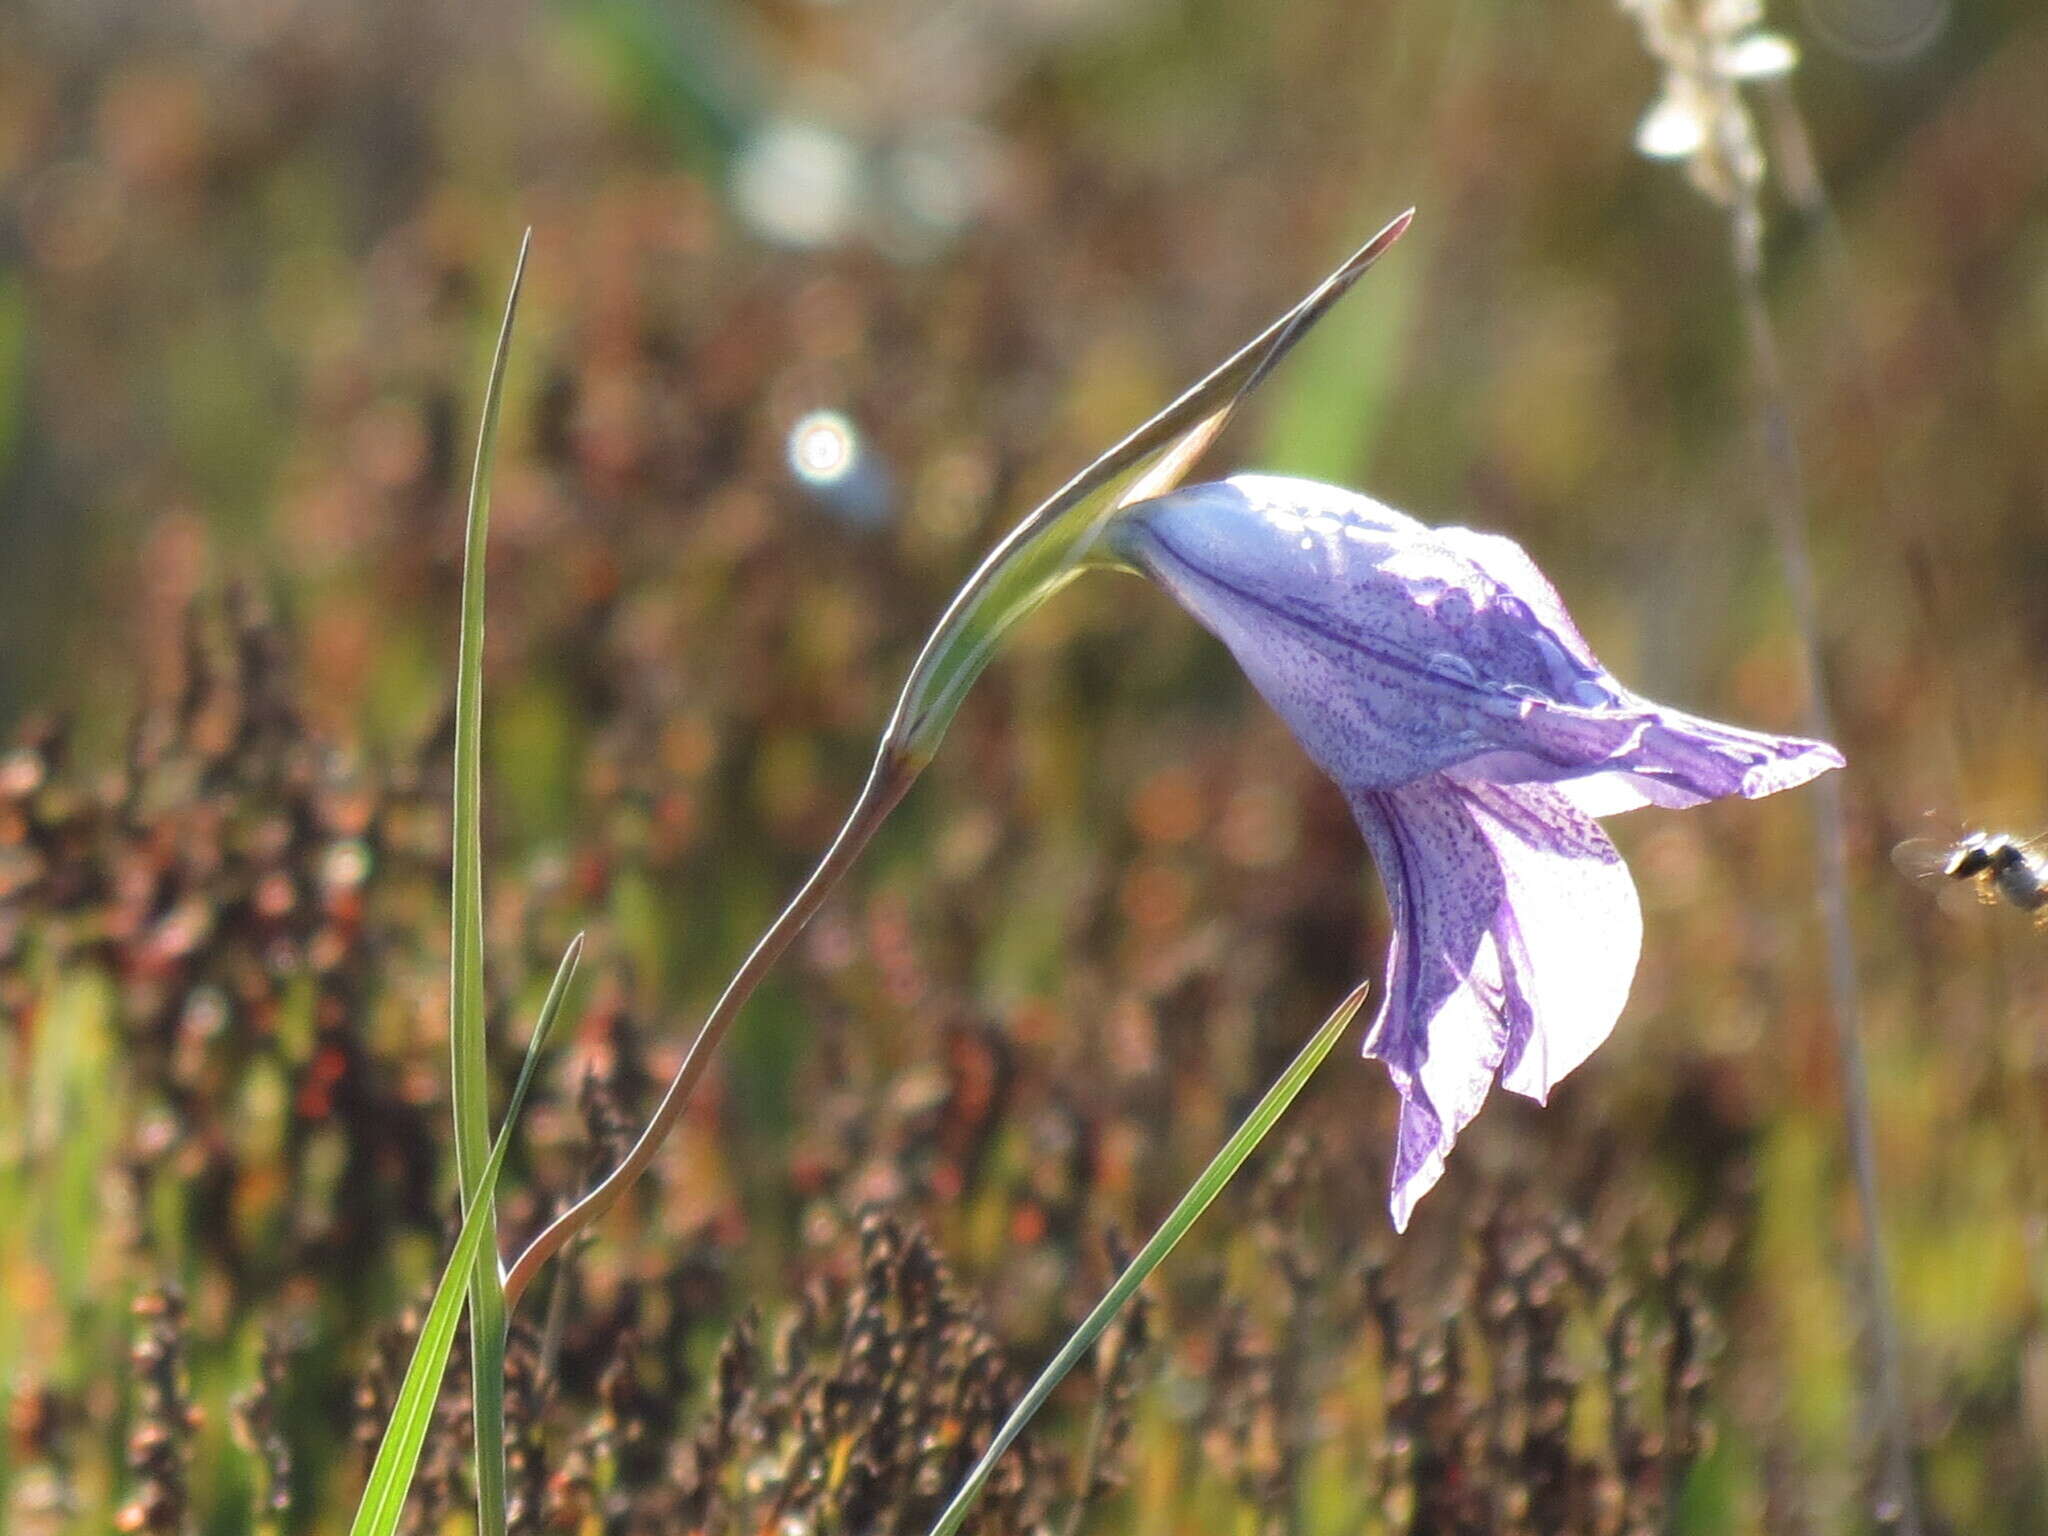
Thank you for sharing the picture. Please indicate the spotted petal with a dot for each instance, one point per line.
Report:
(1632, 753)
(1516, 934)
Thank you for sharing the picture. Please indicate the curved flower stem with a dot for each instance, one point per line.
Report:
(1038, 557)
(890, 780)
(1899, 1505)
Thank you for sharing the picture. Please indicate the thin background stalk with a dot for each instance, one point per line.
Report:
(1785, 495)
(1799, 176)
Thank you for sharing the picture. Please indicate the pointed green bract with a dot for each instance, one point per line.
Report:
(398, 1455)
(1061, 538)
(470, 1085)
(1222, 1168)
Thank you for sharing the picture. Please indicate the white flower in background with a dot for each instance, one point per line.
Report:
(1709, 49)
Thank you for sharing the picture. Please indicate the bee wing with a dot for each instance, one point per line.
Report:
(1965, 898)
(1929, 861)
(1924, 858)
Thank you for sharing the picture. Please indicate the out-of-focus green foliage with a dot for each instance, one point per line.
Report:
(251, 257)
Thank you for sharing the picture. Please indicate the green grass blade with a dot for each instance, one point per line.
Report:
(1220, 1171)
(470, 1087)
(399, 1454)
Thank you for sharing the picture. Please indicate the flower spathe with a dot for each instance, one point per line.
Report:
(1434, 674)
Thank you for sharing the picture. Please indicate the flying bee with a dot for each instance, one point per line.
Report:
(2001, 868)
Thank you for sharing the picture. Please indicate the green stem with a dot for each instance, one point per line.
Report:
(887, 785)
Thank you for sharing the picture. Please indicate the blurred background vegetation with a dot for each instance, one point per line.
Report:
(251, 259)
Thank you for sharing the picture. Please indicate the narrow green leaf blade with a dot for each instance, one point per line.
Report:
(398, 1455)
(470, 1074)
(1222, 1168)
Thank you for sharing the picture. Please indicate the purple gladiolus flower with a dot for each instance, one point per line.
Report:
(1434, 674)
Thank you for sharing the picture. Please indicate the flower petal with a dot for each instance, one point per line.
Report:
(1391, 652)
(1440, 1029)
(1672, 129)
(1570, 933)
(1516, 934)
(1509, 566)
(1634, 753)
(1395, 651)
(1758, 56)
